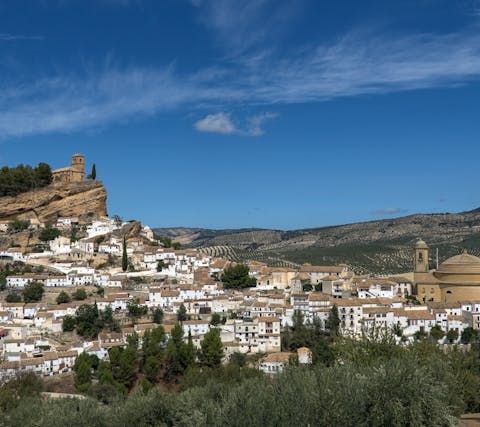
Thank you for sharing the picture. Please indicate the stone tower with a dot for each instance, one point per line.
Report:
(78, 167)
(421, 253)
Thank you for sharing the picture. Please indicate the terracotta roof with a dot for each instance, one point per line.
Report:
(268, 319)
(280, 357)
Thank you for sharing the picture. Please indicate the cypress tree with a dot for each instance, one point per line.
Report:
(93, 175)
(334, 321)
(124, 256)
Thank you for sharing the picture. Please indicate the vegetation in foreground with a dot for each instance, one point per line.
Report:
(369, 383)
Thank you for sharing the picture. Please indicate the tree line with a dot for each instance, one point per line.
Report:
(156, 360)
(23, 178)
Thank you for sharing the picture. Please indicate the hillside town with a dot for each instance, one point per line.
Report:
(80, 264)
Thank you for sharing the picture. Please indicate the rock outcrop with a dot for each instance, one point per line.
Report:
(79, 199)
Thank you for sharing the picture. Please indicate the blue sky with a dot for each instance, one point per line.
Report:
(238, 113)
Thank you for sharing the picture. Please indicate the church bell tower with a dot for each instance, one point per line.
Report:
(421, 255)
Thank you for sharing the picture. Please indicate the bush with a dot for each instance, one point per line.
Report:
(23, 386)
(63, 298)
(18, 225)
(80, 294)
(49, 233)
(13, 297)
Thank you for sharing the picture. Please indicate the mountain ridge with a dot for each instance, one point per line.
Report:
(382, 245)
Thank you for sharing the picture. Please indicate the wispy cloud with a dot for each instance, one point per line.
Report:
(357, 64)
(255, 123)
(237, 23)
(390, 211)
(5, 37)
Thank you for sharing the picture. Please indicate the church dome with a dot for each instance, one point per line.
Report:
(460, 264)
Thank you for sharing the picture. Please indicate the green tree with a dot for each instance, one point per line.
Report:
(13, 297)
(80, 294)
(49, 233)
(165, 241)
(157, 316)
(452, 335)
(124, 255)
(182, 313)
(179, 355)
(33, 292)
(108, 321)
(469, 335)
(63, 298)
(152, 368)
(83, 372)
(135, 310)
(88, 321)
(153, 343)
(237, 277)
(43, 175)
(69, 323)
(436, 333)
(216, 319)
(124, 364)
(211, 349)
(74, 233)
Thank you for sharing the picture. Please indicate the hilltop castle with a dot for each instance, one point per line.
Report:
(73, 173)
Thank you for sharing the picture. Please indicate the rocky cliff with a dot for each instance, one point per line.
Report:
(60, 200)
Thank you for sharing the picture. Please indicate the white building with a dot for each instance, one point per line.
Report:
(275, 363)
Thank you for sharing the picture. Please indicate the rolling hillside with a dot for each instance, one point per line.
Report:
(382, 246)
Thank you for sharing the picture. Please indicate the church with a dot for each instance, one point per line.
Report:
(73, 173)
(456, 279)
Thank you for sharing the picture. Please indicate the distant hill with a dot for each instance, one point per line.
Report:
(382, 246)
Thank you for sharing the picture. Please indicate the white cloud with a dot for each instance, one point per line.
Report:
(357, 64)
(216, 123)
(224, 124)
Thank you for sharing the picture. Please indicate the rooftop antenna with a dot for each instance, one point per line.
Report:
(437, 258)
